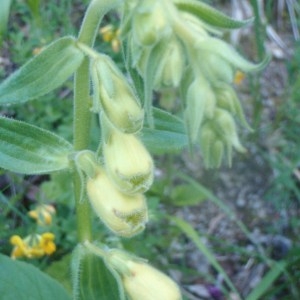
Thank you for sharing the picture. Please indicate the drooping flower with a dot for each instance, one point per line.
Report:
(128, 163)
(140, 280)
(125, 215)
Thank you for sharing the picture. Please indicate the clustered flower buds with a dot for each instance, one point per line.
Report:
(115, 189)
(175, 34)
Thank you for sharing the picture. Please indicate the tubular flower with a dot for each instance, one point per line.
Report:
(42, 214)
(115, 97)
(33, 246)
(123, 214)
(142, 281)
(128, 163)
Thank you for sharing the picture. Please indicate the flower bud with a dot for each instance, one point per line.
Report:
(128, 163)
(171, 67)
(114, 96)
(214, 67)
(196, 26)
(201, 103)
(124, 215)
(209, 141)
(228, 99)
(140, 280)
(227, 129)
(149, 22)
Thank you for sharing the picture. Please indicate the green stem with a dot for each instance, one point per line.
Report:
(256, 87)
(82, 115)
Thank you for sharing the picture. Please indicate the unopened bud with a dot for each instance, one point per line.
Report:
(124, 215)
(194, 24)
(171, 67)
(150, 22)
(208, 139)
(201, 103)
(228, 99)
(227, 128)
(140, 280)
(215, 67)
(128, 162)
(114, 96)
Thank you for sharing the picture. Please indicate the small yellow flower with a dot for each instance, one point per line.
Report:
(111, 35)
(239, 77)
(47, 243)
(33, 246)
(42, 214)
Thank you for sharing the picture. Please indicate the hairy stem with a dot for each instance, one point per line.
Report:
(82, 115)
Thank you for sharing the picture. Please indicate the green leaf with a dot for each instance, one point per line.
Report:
(267, 281)
(210, 15)
(4, 15)
(43, 73)
(27, 149)
(96, 281)
(60, 271)
(22, 281)
(186, 194)
(193, 235)
(168, 134)
(153, 61)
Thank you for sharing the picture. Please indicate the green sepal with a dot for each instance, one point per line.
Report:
(168, 134)
(92, 280)
(43, 73)
(23, 281)
(228, 53)
(28, 149)
(210, 15)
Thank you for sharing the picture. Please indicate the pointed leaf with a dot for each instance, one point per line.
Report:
(193, 235)
(22, 281)
(43, 73)
(168, 134)
(27, 149)
(210, 15)
(267, 281)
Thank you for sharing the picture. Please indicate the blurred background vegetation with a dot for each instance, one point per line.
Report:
(217, 232)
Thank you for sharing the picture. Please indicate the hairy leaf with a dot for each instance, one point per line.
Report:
(27, 149)
(43, 73)
(210, 15)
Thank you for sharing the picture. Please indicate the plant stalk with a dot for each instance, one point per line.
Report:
(82, 115)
